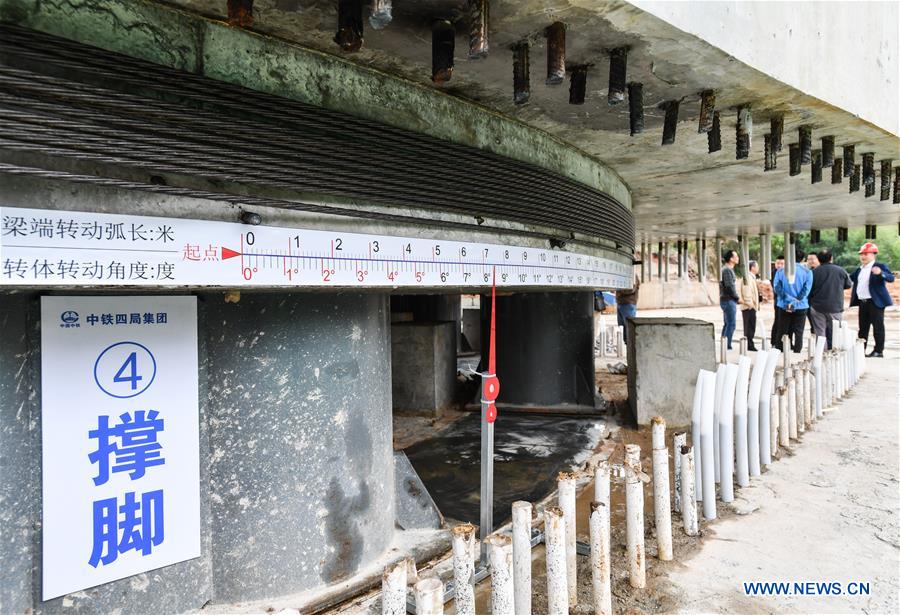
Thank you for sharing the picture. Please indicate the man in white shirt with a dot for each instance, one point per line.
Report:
(871, 295)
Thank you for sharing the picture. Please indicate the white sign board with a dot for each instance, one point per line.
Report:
(66, 248)
(120, 428)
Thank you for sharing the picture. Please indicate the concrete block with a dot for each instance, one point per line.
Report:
(471, 327)
(415, 508)
(423, 358)
(664, 357)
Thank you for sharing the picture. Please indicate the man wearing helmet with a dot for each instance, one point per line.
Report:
(871, 295)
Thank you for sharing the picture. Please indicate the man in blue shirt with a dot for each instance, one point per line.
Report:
(792, 296)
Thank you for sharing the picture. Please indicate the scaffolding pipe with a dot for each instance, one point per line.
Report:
(555, 541)
(634, 517)
(393, 589)
(429, 597)
(600, 558)
(500, 554)
(521, 519)
(742, 469)
(792, 407)
(775, 413)
(707, 450)
(798, 385)
(688, 503)
(753, 417)
(726, 434)
(784, 419)
(566, 486)
(463, 543)
(601, 482)
(678, 440)
(662, 511)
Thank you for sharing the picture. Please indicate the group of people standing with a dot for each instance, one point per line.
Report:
(816, 294)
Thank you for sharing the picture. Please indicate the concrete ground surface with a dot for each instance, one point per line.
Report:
(829, 512)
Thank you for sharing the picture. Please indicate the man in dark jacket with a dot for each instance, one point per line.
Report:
(826, 299)
(871, 295)
(728, 294)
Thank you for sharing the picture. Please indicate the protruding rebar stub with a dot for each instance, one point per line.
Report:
(897, 187)
(556, 52)
(479, 19)
(349, 35)
(636, 108)
(837, 171)
(794, 159)
(868, 173)
(771, 161)
(240, 13)
(670, 123)
(805, 133)
(886, 179)
(443, 42)
(714, 136)
(381, 14)
(743, 132)
(849, 159)
(816, 167)
(618, 60)
(577, 84)
(707, 109)
(854, 178)
(521, 74)
(843, 232)
(827, 151)
(776, 129)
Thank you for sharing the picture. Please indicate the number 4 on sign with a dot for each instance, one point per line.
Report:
(130, 364)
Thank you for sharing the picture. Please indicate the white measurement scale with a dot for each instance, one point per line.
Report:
(68, 248)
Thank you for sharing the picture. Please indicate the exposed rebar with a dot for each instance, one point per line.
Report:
(771, 161)
(556, 52)
(868, 173)
(240, 13)
(714, 136)
(805, 133)
(707, 109)
(816, 167)
(854, 178)
(443, 41)
(349, 35)
(670, 123)
(886, 179)
(744, 132)
(521, 73)
(827, 151)
(837, 171)
(849, 159)
(577, 84)
(381, 14)
(618, 60)
(776, 124)
(636, 108)
(897, 187)
(794, 159)
(479, 24)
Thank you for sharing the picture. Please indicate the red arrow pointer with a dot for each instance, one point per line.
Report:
(228, 253)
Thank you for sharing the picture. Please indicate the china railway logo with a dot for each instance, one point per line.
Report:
(69, 317)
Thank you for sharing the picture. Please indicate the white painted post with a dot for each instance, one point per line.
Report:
(798, 385)
(743, 346)
(808, 416)
(775, 419)
(601, 482)
(696, 419)
(602, 335)
(634, 517)
(707, 451)
(784, 424)
(688, 503)
(678, 440)
(662, 511)
(600, 558)
(463, 539)
(429, 597)
(786, 349)
(723, 350)
(521, 518)
(753, 417)
(555, 541)
(393, 589)
(726, 435)
(717, 409)
(792, 407)
(566, 485)
(766, 442)
(500, 554)
(621, 342)
(741, 393)
(819, 371)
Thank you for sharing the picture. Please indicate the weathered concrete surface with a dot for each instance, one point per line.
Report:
(664, 356)
(826, 513)
(423, 358)
(656, 295)
(415, 508)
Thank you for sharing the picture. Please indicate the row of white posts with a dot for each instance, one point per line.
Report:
(742, 413)
(610, 339)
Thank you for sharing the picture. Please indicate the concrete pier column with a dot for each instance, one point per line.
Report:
(544, 349)
(680, 259)
(701, 260)
(718, 258)
(643, 262)
(659, 261)
(666, 262)
(286, 421)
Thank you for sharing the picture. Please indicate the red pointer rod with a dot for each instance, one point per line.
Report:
(490, 389)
